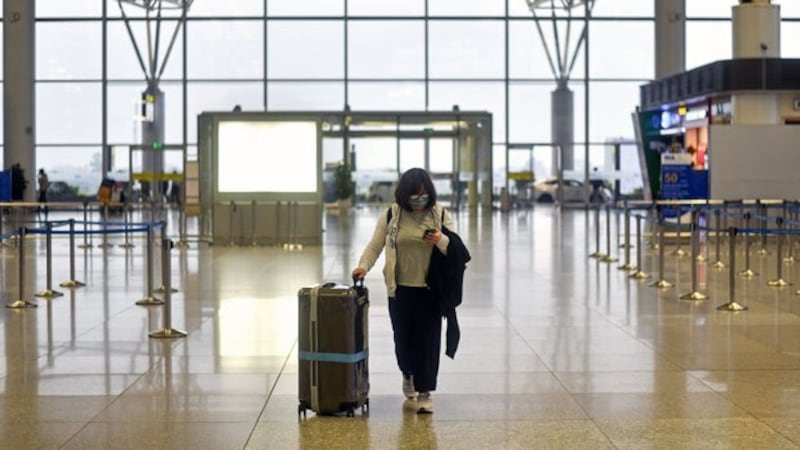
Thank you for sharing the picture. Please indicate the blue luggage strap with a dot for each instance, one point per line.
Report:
(346, 358)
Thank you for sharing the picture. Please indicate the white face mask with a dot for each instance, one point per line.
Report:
(418, 201)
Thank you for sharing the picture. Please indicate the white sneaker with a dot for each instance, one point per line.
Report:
(424, 403)
(408, 386)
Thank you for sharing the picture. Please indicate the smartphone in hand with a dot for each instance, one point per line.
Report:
(429, 232)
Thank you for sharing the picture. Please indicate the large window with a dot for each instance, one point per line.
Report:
(387, 49)
(289, 55)
(305, 49)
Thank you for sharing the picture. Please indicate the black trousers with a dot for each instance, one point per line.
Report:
(417, 326)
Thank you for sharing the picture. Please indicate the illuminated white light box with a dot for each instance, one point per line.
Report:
(267, 157)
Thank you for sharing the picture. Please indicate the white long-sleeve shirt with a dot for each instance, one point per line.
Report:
(386, 236)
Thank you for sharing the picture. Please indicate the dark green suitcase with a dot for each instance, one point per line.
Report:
(333, 349)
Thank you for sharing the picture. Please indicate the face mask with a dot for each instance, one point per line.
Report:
(418, 201)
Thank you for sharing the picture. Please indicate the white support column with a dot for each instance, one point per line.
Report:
(670, 51)
(19, 71)
(756, 34)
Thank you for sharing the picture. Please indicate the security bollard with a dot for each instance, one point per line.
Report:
(732, 304)
(747, 272)
(49, 292)
(166, 264)
(20, 303)
(779, 282)
(695, 294)
(639, 275)
(608, 258)
(72, 282)
(661, 283)
(149, 300)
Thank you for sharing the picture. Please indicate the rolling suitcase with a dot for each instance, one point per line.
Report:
(333, 349)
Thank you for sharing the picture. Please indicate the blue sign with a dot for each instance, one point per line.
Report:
(5, 186)
(681, 182)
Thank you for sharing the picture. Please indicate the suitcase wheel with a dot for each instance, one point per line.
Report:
(301, 410)
(351, 412)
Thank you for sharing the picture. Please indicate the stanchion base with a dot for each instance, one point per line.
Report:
(627, 267)
(72, 284)
(662, 284)
(104, 246)
(762, 252)
(167, 333)
(624, 246)
(732, 306)
(182, 244)
(694, 296)
(718, 265)
(126, 245)
(597, 255)
(608, 259)
(150, 301)
(86, 246)
(700, 258)
(21, 304)
(679, 252)
(788, 260)
(640, 276)
(780, 282)
(163, 289)
(747, 273)
(48, 293)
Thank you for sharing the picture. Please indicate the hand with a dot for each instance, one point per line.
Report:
(359, 273)
(433, 238)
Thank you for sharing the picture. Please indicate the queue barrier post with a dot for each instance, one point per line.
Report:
(747, 272)
(72, 282)
(639, 274)
(608, 258)
(661, 283)
(167, 332)
(597, 254)
(779, 282)
(149, 299)
(627, 266)
(695, 294)
(48, 292)
(732, 305)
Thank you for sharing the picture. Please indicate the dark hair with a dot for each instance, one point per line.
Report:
(410, 183)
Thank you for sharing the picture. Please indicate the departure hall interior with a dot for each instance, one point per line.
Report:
(183, 178)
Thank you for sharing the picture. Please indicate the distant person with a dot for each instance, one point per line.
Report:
(44, 185)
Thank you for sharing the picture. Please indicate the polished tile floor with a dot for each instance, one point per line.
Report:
(558, 350)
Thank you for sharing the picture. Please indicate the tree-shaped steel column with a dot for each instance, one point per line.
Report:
(561, 59)
(152, 105)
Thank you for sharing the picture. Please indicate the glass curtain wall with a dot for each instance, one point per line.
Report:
(369, 54)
